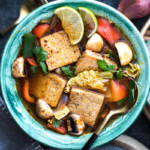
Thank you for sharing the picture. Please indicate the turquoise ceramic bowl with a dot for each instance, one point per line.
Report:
(12, 99)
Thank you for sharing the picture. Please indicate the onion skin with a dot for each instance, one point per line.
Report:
(134, 9)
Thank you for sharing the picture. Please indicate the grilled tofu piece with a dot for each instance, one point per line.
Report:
(87, 104)
(60, 51)
(49, 87)
(88, 61)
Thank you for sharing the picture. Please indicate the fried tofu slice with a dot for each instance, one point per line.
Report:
(60, 51)
(88, 61)
(87, 104)
(49, 87)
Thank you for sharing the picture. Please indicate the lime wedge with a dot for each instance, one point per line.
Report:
(90, 21)
(71, 22)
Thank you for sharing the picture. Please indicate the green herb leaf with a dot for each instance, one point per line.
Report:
(118, 74)
(113, 56)
(57, 123)
(104, 66)
(42, 56)
(33, 70)
(66, 71)
(37, 50)
(122, 101)
(132, 90)
(43, 67)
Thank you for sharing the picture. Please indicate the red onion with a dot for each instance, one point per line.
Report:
(134, 8)
(63, 101)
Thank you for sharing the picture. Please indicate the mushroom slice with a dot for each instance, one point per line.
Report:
(75, 124)
(125, 53)
(18, 67)
(95, 43)
(43, 110)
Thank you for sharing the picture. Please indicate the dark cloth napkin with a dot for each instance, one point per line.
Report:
(11, 136)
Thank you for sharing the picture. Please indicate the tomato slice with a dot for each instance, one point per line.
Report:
(107, 31)
(25, 92)
(40, 30)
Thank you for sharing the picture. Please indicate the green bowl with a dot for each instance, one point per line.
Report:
(12, 99)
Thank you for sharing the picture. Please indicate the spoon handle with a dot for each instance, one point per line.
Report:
(90, 142)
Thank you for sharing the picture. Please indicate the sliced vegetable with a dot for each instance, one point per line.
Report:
(18, 68)
(107, 75)
(118, 74)
(90, 21)
(107, 31)
(43, 110)
(75, 125)
(44, 68)
(132, 91)
(95, 43)
(28, 44)
(72, 23)
(113, 56)
(118, 91)
(25, 91)
(133, 70)
(104, 66)
(60, 130)
(32, 62)
(41, 56)
(125, 53)
(66, 71)
(40, 30)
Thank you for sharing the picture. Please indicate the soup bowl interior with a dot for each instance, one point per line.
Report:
(12, 99)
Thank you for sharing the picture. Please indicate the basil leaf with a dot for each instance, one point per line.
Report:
(122, 101)
(57, 123)
(104, 66)
(113, 56)
(66, 71)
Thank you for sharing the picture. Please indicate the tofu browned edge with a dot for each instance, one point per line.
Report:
(60, 51)
(88, 61)
(91, 95)
(44, 81)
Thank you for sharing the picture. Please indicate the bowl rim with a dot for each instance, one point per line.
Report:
(69, 1)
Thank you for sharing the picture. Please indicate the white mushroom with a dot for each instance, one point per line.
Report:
(18, 68)
(75, 125)
(95, 43)
(43, 110)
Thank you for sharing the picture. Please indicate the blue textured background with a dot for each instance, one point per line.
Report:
(9, 11)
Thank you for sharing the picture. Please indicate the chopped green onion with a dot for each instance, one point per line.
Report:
(28, 45)
(107, 75)
(43, 67)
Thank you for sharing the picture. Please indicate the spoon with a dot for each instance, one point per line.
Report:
(119, 111)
